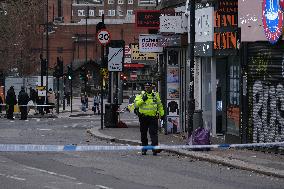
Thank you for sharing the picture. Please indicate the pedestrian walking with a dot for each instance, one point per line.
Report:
(23, 99)
(96, 106)
(150, 109)
(68, 98)
(11, 101)
(83, 102)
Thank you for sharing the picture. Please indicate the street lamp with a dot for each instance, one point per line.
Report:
(191, 80)
(86, 47)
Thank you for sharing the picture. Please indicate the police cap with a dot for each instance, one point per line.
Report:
(148, 84)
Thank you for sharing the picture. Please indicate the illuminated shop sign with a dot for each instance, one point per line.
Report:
(272, 19)
(148, 19)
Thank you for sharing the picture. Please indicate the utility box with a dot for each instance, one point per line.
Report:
(111, 115)
(197, 119)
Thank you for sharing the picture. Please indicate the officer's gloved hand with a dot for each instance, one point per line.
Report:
(145, 97)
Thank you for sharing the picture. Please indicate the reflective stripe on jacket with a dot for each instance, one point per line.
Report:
(151, 107)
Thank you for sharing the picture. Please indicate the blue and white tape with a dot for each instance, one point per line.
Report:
(31, 105)
(94, 148)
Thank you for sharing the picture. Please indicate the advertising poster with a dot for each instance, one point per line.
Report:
(173, 75)
(173, 91)
(173, 125)
(173, 107)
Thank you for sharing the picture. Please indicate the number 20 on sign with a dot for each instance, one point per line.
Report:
(103, 37)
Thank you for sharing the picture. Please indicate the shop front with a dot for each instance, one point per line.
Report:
(262, 52)
(217, 68)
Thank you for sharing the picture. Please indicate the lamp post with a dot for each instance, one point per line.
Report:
(86, 47)
(191, 81)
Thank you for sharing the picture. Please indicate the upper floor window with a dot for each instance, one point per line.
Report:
(110, 1)
(92, 13)
(130, 2)
(81, 12)
(147, 2)
(111, 12)
(120, 13)
(129, 12)
(120, 2)
(101, 12)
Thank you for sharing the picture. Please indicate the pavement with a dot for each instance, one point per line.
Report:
(259, 161)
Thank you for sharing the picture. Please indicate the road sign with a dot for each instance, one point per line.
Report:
(115, 59)
(103, 37)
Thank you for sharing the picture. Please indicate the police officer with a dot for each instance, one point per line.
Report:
(150, 108)
(23, 100)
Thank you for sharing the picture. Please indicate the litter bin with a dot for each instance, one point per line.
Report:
(111, 115)
(197, 119)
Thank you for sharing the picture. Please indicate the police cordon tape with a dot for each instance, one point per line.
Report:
(32, 105)
(82, 148)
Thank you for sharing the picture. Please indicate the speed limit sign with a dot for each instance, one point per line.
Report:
(103, 37)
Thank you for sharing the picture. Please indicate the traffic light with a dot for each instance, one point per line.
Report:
(43, 66)
(83, 74)
(69, 72)
(123, 77)
(60, 67)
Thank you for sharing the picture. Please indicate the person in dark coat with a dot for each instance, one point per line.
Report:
(23, 100)
(1, 104)
(33, 95)
(11, 100)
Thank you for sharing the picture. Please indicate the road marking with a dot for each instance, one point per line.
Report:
(50, 172)
(44, 129)
(50, 187)
(15, 177)
(102, 187)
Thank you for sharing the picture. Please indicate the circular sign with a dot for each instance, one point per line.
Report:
(272, 19)
(103, 37)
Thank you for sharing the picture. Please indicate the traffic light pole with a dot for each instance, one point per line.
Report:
(102, 79)
(57, 107)
(71, 88)
(64, 83)
(47, 53)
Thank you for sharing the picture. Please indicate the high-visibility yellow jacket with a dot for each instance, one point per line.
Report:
(151, 107)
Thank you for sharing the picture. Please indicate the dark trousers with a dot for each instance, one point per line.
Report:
(10, 112)
(24, 112)
(151, 124)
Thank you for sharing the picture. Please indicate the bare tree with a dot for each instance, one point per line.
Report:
(20, 33)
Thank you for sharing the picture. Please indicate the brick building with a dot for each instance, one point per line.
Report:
(68, 37)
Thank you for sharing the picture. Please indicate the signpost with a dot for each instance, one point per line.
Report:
(103, 37)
